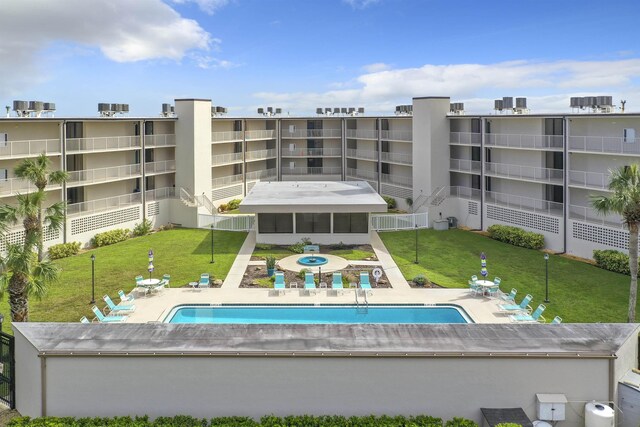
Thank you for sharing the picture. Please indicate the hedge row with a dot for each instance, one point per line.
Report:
(112, 236)
(612, 260)
(64, 250)
(266, 421)
(516, 236)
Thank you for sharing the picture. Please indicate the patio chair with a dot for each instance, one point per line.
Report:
(364, 282)
(336, 284)
(497, 280)
(117, 309)
(165, 280)
(204, 281)
(474, 279)
(536, 316)
(309, 283)
(279, 285)
(107, 319)
(556, 320)
(510, 297)
(124, 297)
(84, 319)
(523, 306)
(474, 288)
(492, 291)
(139, 280)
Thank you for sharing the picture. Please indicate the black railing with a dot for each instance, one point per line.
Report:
(7, 370)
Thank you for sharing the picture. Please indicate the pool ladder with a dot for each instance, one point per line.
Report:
(364, 308)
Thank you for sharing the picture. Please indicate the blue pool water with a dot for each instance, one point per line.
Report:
(316, 315)
(312, 260)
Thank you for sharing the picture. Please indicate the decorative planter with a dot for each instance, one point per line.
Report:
(271, 271)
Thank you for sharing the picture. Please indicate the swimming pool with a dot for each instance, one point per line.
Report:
(243, 314)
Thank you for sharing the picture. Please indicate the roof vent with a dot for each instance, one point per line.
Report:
(404, 110)
(167, 111)
(217, 111)
(456, 108)
(593, 104)
(350, 111)
(270, 111)
(110, 110)
(33, 108)
(505, 105)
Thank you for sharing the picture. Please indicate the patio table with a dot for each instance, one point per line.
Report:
(148, 284)
(485, 285)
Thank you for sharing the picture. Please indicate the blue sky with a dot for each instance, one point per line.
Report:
(302, 54)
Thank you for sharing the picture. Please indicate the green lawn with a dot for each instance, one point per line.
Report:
(182, 253)
(579, 292)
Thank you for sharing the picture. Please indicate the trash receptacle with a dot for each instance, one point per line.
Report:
(453, 221)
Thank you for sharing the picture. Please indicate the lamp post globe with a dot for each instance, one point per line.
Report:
(93, 279)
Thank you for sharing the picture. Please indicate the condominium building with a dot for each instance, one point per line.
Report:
(533, 171)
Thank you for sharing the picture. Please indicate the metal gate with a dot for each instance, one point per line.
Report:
(7, 370)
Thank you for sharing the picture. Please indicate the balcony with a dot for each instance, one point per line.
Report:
(160, 194)
(526, 142)
(30, 147)
(95, 176)
(225, 181)
(228, 136)
(105, 143)
(362, 154)
(464, 193)
(465, 138)
(252, 135)
(362, 134)
(99, 205)
(603, 144)
(396, 135)
(263, 174)
(587, 214)
(168, 140)
(403, 158)
(464, 165)
(595, 180)
(524, 203)
(12, 186)
(524, 173)
(312, 171)
(400, 180)
(362, 174)
(166, 166)
(260, 154)
(225, 159)
(312, 152)
(312, 133)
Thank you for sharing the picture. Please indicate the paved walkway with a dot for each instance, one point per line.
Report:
(239, 266)
(394, 275)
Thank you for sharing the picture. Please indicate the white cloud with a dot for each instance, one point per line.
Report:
(551, 83)
(207, 6)
(360, 4)
(376, 67)
(123, 30)
(209, 62)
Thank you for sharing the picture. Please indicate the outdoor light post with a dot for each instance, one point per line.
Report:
(1, 321)
(212, 261)
(416, 225)
(150, 267)
(93, 279)
(546, 276)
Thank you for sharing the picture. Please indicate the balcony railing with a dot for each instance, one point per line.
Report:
(464, 192)
(311, 152)
(404, 158)
(311, 171)
(524, 203)
(160, 194)
(260, 154)
(587, 214)
(362, 134)
(160, 167)
(538, 142)
(465, 138)
(465, 165)
(105, 143)
(524, 172)
(263, 174)
(30, 147)
(396, 135)
(312, 133)
(90, 176)
(362, 174)
(404, 181)
(259, 134)
(18, 185)
(226, 180)
(222, 159)
(109, 203)
(589, 179)
(228, 136)
(603, 144)
(362, 154)
(159, 140)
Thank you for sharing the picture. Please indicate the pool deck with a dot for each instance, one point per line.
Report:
(154, 308)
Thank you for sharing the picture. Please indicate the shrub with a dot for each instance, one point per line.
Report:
(508, 425)
(306, 241)
(409, 201)
(460, 422)
(612, 260)
(168, 226)
(302, 272)
(263, 246)
(223, 207)
(420, 280)
(271, 261)
(111, 237)
(297, 248)
(233, 204)
(338, 246)
(391, 202)
(64, 250)
(143, 228)
(516, 236)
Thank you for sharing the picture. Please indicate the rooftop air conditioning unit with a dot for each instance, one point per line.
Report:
(360, 110)
(336, 110)
(327, 110)
(575, 102)
(278, 110)
(260, 110)
(319, 110)
(270, 110)
(125, 108)
(521, 102)
(343, 110)
(49, 106)
(103, 107)
(507, 102)
(498, 104)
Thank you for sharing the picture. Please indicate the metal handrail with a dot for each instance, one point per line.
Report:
(160, 193)
(302, 152)
(465, 165)
(524, 172)
(590, 179)
(104, 174)
(312, 133)
(226, 180)
(160, 167)
(397, 135)
(405, 158)
(260, 134)
(362, 154)
(604, 144)
(103, 143)
(260, 154)
(221, 159)
(226, 136)
(312, 171)
(464, 192)
(406, 181)
(159, 140)
(465, 138)
(362, 134)
(524, 203)
(108, 203)
(29, 147)
(541, 142)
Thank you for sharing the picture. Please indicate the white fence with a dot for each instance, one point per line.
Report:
(389, 222)
(227, 222)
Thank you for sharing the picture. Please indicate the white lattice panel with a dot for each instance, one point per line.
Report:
(472, 208)
(107, 219)
(153, 209)
(393, 191)
(224, 193)
(524, 219)
(597, 234)
(17, 237)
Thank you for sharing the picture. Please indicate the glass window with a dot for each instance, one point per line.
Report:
(275, 223)
(350, 223)
(313, 223)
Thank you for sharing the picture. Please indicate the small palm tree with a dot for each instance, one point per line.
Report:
(624, 182)
(37, 172)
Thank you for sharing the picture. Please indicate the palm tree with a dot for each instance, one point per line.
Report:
(624, 182)
(37, 172)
